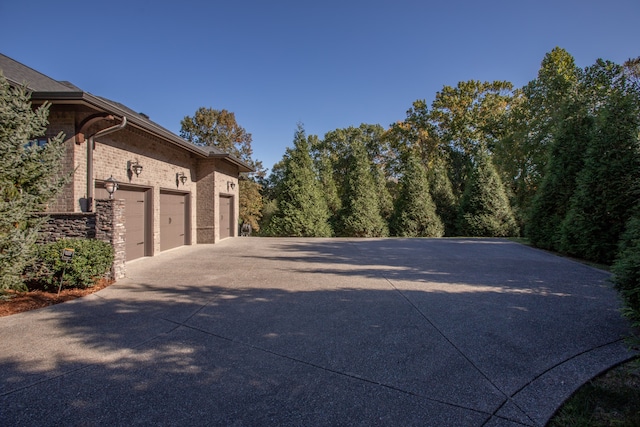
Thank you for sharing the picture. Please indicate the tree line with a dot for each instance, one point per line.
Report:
(555, 160)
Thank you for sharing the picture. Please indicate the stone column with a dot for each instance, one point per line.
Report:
(110, 227)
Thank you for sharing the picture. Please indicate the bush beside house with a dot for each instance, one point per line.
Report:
(30, 176)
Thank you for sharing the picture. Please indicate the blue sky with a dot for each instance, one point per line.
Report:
(327, 64)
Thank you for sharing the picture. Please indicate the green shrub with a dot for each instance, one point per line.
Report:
(626, 269)
(30, 176)
(91, 260)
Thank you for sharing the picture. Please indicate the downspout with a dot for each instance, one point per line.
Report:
(90, 147)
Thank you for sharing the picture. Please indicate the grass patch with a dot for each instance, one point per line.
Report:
(611, 399)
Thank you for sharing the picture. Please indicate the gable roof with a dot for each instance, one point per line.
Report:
(45, 88)
(19, 74)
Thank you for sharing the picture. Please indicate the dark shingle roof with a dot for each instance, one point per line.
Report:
(20, 74)
(46, 88)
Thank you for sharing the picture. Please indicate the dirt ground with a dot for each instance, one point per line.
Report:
(18, 302)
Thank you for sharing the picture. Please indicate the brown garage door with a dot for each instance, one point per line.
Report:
(136, 219)
(226, 217)
(173, 214)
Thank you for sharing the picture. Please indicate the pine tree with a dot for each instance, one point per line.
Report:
(328, 186)
(551, 202)
(607, 186)
(302, 209)
(626, 269)
(521, 154)
(443, 197)
(30, 175)
(484, 206)
(384, 195)
(360, 214)
(414, 212)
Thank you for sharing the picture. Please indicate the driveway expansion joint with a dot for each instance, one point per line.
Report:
(442, 332)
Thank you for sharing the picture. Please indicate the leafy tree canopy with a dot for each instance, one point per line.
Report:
(218, 128)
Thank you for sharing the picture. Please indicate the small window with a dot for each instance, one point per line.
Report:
(39, 142)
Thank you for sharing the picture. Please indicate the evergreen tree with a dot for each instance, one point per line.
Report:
(443, 196)
(378, 149)
(626, 269)
(302, 210)
(327, 182)
(607, 185)
(529, 127)
(360, 214)
(484, 206)
(382, 189)
(415, 213)
(30, 176)
(566, 159)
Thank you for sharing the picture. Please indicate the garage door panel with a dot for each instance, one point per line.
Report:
(135, 223)
(173, 212)
(226, 217)
(135, 219)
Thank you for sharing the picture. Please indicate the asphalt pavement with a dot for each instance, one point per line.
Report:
(318, 332)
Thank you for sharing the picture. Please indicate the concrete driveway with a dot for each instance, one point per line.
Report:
(318, 332)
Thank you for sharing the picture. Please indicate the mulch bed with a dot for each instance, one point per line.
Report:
(17, 302)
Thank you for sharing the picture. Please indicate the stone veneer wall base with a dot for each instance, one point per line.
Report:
(106, 224)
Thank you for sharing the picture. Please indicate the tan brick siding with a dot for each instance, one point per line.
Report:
(63, 121)
(161, 162)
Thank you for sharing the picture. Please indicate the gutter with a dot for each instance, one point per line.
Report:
(90, 148)
(111, 107)
(148, 126)
(242, 166)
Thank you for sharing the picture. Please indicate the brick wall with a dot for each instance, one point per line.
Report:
(161, 165)
(228, 186)
(62, 120)
(206, 218)
(215, 178)
(161, 161)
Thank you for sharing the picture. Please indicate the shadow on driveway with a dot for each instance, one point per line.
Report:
(256, 331)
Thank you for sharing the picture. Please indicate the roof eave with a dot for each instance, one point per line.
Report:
(242, 166)
(136, 121)
(96, 102)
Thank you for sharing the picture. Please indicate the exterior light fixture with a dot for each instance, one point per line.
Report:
(134, 167)
(231, 185)
(181, 178)
(111, 185)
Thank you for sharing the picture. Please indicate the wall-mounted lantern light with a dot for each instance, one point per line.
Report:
(231, 185)
(111, 185)
(181, 178)
(134, 167)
